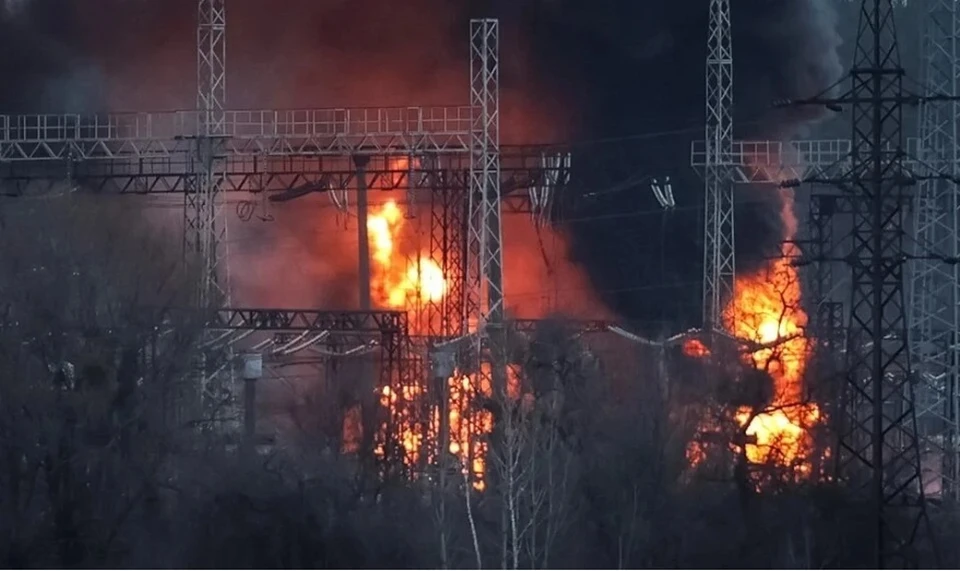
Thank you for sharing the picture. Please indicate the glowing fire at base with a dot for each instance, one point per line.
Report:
(766, 310)
(404, 278)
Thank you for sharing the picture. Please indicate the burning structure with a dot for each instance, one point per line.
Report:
(435, 242)
(423, 240)
(767, 323)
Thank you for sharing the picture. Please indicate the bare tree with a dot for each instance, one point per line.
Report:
(87, 373)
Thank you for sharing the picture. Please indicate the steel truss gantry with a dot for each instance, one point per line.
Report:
(204, 227)
(385, 421)
(483, 289)
(935, 285)
(204, 152)
(719, 263)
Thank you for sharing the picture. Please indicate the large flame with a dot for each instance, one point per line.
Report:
(399, 278)
(766, 310)
(404, 278)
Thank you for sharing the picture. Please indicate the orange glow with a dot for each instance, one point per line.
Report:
(695, 348)
(540, 276)
(397, 283)
(399, 170)
(403, 278)
(467, 430)
(766, 311)
(352, 432)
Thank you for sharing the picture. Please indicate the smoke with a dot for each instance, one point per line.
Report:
(571, 69)
(636, 70)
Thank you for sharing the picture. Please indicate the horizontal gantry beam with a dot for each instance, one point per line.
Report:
(521, 166)
(763, 162)
(367, 322)
(313, 132)
(157, 151)
(346, 321)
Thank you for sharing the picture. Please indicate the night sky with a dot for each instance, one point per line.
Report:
(627, 72)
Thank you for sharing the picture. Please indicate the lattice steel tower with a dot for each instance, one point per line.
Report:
(204, 226)
(484, 277)
(718, 241)
(935, 285)
(878, 454)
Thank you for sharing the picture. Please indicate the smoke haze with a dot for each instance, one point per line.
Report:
(572, 69)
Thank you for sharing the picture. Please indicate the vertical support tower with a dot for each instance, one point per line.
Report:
(878, 447)
(204, 226)
(719, 264)
(484, 284)
(935, 285)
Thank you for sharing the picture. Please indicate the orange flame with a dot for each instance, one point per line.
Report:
(695, 348)
(766, 310)
(395, 282)
(402, 279)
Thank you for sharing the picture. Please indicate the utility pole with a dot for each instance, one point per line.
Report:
(878, 453)
(719, 263)
(935, 285)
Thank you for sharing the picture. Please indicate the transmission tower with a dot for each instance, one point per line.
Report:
(719, 264)
(484, 283)
(204, 225)
(935, 286)
(878, 451)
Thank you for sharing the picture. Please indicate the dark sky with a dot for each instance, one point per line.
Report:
(585, 70)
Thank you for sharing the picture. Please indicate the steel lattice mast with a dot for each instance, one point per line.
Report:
(719, 263)
(935, 286)
(878, 451)
(484, 277)
(204, 225)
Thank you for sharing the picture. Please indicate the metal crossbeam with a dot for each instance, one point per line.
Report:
(274, 133)
(579, 325)
(297, 320)
(773, 162)
(521, 167)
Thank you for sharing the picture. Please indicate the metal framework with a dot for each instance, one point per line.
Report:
(204, 226)
(134, 156)
(935, 285)
(258, 319)
(386, 416)
(448, 217)
(878, 447)
(249, 134)
(820, 246)
(719, 264)
(775, 162)
(484, 276)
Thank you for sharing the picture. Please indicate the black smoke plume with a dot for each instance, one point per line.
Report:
(586, 70)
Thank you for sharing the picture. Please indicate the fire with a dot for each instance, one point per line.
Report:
(766, 311)
(466, 429)
(403, 279)
(695, 348)
(396, 282)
